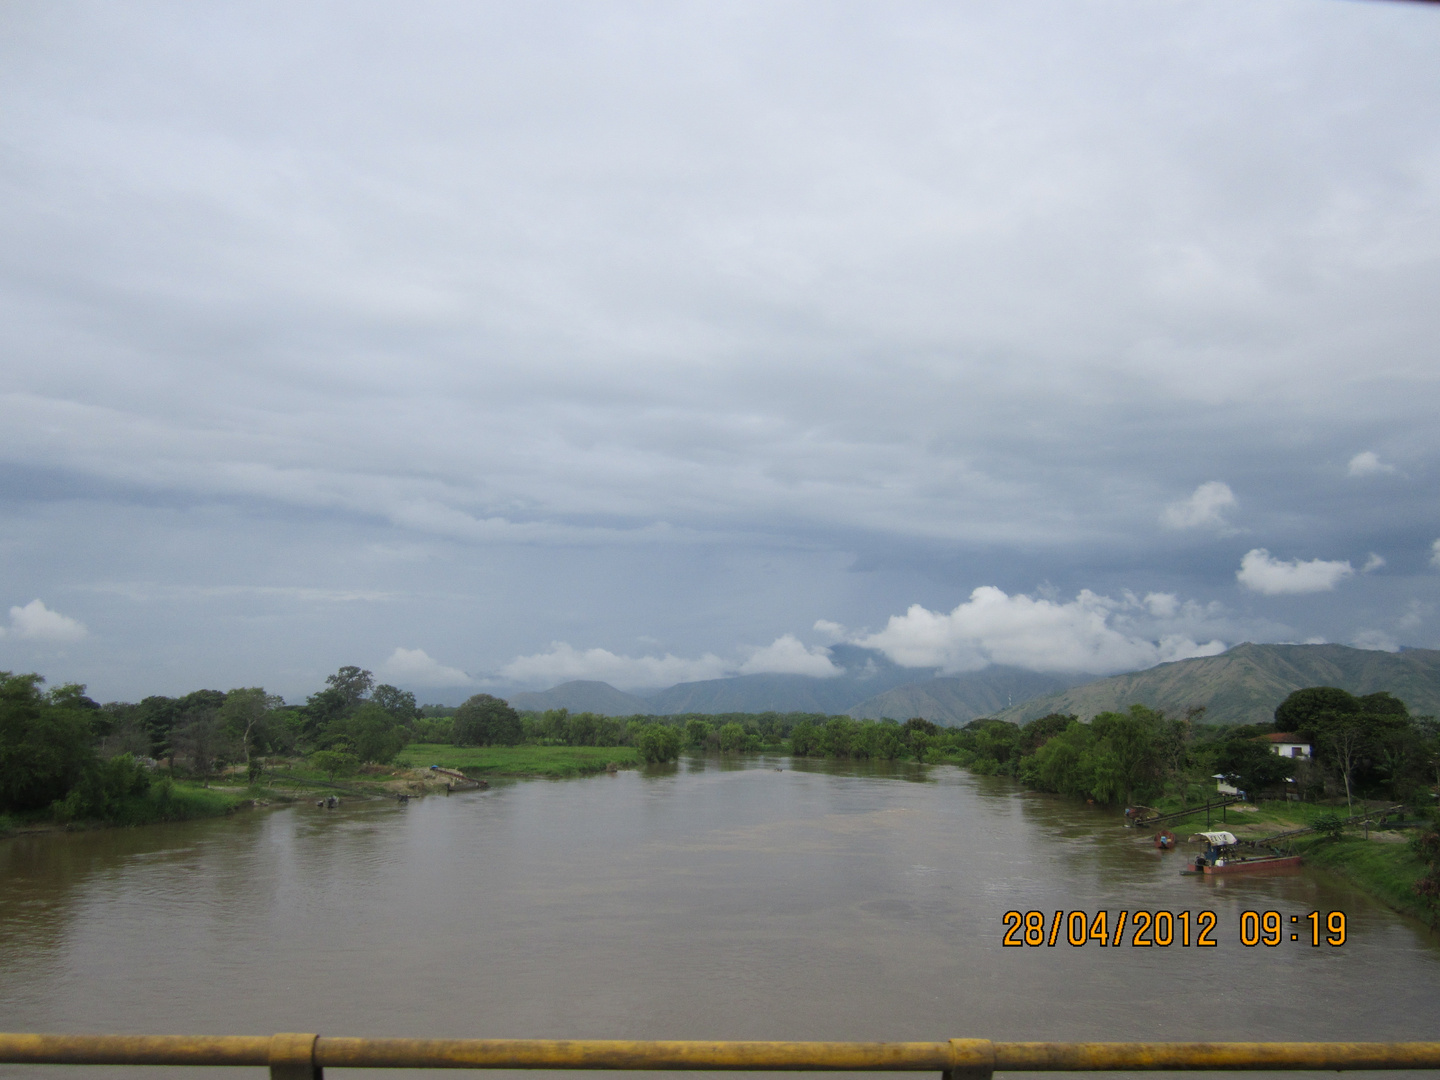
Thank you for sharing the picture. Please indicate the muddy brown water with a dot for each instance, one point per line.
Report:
(711, 901)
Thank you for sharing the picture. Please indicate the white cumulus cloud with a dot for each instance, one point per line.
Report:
(564, 662)
(1262, 573)
(1162, 605)
(1368, 463)
(1041, 635)
(1205, 508)
(1374, 562)
(38, 623)
(1375, 639)
(1435, 553)
(414, 667)
(788, 655)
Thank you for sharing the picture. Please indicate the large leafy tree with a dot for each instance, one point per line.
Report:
(659, 743)
(371, 734)
(352, 682)
(1303, 709)
(1251, 765)
(1125, 757)
(1358, 738)
(398, 703)
(45, 744)
(344, 691)
(245, 715)
(485, 720)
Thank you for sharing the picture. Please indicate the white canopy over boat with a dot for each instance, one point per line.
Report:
(1218, 839)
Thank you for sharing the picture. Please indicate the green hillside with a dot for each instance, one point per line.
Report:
(582, 695)
(958, 700)
(1243, 685)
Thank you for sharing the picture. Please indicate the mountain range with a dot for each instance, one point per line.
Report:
(1242, 685)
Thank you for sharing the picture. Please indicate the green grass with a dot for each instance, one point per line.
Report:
(1386, 871)
(175, 802)
(518, 760)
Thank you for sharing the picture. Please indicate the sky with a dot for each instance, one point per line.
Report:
(494, 345)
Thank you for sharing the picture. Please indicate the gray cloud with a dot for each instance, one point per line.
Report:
(704, 322)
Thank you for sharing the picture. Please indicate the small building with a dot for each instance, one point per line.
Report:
(1288, 744)
(1223, 785)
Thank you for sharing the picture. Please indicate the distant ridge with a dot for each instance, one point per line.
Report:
(866, 673)
(1243, 685)
(958, 700)
(871, 686)
(582, 695)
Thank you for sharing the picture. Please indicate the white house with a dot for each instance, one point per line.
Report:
(1287, 744)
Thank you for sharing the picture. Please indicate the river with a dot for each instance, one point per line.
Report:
(710, 901)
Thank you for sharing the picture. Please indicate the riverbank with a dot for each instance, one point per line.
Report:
(166, 800)
(1383, 864)
(295, 779)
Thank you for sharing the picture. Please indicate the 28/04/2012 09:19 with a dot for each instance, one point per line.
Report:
(1149, 929)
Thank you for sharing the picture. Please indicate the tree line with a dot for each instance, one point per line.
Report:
(1361, 746)
(59, 744)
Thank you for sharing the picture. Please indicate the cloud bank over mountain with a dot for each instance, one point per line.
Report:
(1090, 633)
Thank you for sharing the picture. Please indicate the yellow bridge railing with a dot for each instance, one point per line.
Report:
(304, 1057)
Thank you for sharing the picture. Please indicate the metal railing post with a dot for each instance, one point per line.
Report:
(970, 1059)
(292, 1057)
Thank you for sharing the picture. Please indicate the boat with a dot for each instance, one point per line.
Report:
(1222, 856)
(1165, 840)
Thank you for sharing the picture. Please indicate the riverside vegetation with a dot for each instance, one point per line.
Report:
(67, 759)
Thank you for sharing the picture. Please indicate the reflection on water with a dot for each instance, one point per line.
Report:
(703, 901)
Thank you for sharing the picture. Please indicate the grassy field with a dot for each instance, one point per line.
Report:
(518, 760)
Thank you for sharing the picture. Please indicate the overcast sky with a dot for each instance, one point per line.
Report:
(499, 344)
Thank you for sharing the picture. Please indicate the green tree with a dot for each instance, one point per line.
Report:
(1125, 758)
(1251, 765)
(201, 738)
(45, 747)
(732, 738)
(334, 762)
(485, 720)
(659, 743)
(696, 732)
(1037, 733)
(72, 696)
(804, 739)
(1303, 708)
(398, 703)
(553, 725)
(372, 734)
(352, 683)
(103, 788)
(244, 716)
(1062, 764)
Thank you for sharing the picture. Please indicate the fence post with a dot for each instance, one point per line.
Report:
(970, 1059)
(292, 1057)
